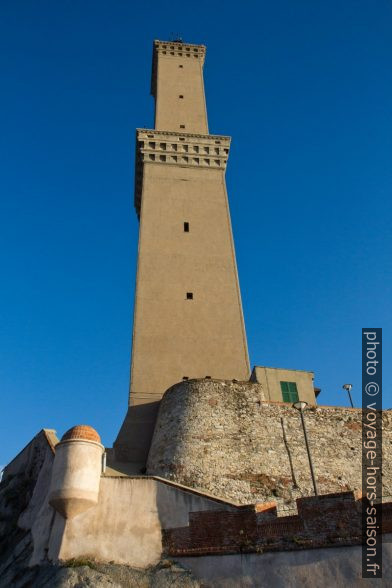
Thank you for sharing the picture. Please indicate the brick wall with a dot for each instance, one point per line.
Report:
(327, 520)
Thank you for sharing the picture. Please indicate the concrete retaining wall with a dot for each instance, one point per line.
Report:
(333, 566)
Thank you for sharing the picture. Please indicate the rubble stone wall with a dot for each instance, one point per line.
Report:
(223, 437)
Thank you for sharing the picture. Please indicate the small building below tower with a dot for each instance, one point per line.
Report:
(281, 385)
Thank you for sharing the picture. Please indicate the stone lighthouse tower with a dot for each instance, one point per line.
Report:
(188, 318)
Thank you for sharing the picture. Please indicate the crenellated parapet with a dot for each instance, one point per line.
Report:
(180, 49)
(180, 149)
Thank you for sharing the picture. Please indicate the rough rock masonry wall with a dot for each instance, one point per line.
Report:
(224, 438)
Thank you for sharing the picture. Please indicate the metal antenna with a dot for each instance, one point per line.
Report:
(176, 37)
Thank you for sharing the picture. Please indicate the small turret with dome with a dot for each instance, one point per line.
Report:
(76, 471)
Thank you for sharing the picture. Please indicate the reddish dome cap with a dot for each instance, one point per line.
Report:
(84, 432)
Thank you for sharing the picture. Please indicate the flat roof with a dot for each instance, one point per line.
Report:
(265, 367)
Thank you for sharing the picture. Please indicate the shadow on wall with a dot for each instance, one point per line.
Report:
(134, 438)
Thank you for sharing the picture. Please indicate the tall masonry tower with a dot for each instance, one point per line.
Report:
(188, 318)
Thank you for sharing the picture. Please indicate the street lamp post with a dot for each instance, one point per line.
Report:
(348, 387)
(300, 406)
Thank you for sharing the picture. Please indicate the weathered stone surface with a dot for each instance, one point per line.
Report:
(80, 574)
(223, 437)
(20, 500)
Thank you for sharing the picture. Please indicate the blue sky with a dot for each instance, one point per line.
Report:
(304, 88)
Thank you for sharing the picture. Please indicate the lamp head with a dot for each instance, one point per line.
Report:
(300, 405)
(347, 387)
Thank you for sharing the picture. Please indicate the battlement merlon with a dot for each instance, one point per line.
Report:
(174, 49)
(180, 149)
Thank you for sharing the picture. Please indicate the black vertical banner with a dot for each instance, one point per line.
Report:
(372, 453)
